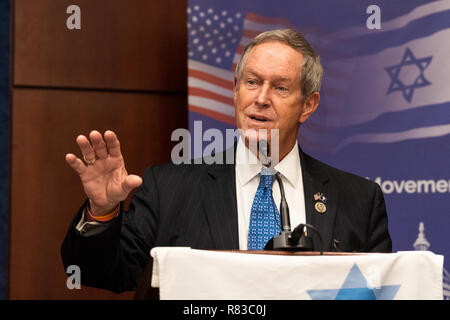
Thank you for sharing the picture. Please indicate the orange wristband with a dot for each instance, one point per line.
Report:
(105, 218)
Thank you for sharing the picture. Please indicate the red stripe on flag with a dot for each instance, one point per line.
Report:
(282, 24)
(210, 95)
(260, 19)
(240, 49)
(213, 114)
(227, 84)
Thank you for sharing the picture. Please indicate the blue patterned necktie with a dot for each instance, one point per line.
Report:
(264, 218)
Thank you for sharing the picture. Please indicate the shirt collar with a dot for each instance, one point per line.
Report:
(249, 166)
(289, 167)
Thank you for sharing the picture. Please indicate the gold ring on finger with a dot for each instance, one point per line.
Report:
(88, 162)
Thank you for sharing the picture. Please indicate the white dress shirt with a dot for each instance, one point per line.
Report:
(247, 180)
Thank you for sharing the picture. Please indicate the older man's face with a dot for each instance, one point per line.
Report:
(269, 93)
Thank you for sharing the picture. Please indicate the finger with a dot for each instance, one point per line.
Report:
(98, 144)
(86, 148)
(131, 182)
(75, 163)
(113, 144)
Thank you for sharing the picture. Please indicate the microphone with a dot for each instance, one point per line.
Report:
(284, 208)
(297, 240)
(263, 147)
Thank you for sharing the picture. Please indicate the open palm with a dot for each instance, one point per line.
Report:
(103, 175)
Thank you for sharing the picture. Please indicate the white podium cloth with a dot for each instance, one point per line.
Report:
(188, 274)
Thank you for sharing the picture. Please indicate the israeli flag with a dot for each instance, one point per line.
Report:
(392, 84)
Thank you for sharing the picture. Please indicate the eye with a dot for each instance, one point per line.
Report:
(251, 82)
(281, 88)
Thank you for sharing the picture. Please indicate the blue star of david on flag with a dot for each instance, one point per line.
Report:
(355, 287)
(420, 81)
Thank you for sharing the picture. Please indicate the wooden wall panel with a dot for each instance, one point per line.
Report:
(125, 70)
(46, 192)
(127, 45)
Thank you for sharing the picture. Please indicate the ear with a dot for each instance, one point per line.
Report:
(309, 106)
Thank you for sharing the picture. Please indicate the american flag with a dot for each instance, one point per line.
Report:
(217, 39)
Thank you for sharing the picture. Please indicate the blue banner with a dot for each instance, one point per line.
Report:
(384, 112)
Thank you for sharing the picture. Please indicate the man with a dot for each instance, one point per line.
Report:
(224, 206)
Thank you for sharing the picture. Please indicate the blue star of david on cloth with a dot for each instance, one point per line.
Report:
(408, 89)
(355, 287)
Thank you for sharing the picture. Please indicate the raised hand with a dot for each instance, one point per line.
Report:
(103, 175)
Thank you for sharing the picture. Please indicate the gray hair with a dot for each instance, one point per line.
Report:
(311, 71)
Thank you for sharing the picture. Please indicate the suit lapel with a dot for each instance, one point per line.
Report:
(316, 181)
(219, 199)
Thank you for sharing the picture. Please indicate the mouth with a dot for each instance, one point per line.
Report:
(258, 118)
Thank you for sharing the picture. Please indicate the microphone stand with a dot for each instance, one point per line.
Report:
(297, 240)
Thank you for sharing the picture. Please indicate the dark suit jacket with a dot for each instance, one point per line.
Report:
(195, 206)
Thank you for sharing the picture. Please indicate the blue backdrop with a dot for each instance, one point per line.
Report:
(4, 142)
(385, 105)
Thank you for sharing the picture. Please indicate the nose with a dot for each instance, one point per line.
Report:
(263, 99)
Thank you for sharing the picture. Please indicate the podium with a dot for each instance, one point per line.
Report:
(182, 273)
